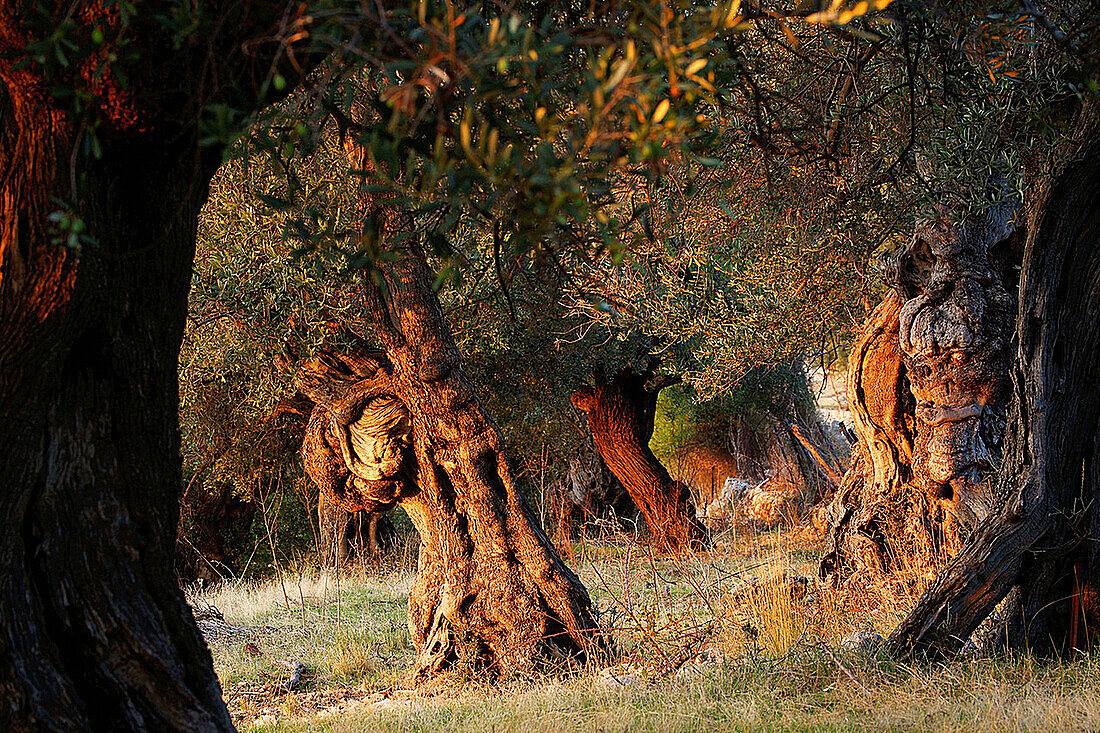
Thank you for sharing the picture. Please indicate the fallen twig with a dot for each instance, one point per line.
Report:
(845, 670)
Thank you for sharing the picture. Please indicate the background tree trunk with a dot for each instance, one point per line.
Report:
(348, 537)
(620, 416)
(213, 519)
(788, 460)
(1039, 548)
(589, 498)
(927, 387)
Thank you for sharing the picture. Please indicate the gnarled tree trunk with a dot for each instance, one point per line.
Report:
(1039, 548)
(404, 425)
(927, 387)
(620, 416)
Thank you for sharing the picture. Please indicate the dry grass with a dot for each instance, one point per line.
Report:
(736, 639)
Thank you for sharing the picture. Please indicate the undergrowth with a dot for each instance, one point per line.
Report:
(740, 638)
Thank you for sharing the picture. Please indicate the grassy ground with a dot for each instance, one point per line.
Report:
(738, 639)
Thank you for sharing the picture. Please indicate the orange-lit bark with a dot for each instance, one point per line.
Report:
(404, 425)
(1037, 551)
(620, 415)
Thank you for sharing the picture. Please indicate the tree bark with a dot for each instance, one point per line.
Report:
(873, 506)
(212, 521)
(927, 386)
(95, 633)
(1039, 548)
(490, 585)
(620, 416)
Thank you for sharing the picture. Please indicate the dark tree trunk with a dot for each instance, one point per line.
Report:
(213, 521)
(94, 631)
(620, 416)
(589, 498)
(405, 425)
(927, 387)
(348, 537)
(1040, 547)
(788, 461)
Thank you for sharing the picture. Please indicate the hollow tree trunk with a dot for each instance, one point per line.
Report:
(927, 387)
(1040, 547)
(620, 416)
(405, 425)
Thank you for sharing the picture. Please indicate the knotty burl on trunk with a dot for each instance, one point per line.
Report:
(620, 415)
(927, 386)
(403, 425)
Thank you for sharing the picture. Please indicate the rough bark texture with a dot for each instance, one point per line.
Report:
(620, 415)
(94, 631)
(1039, 547)
(927, 388)
(489, 583)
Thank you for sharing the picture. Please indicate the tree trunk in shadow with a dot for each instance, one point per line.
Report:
(788, 460)
(589, 499)
(348, 537)
(213, 522)
(620, 415)
(1039, 547)
(99, 203)
(95, 633)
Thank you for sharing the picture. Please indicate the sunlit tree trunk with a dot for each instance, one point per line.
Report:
(404, 425)
(927, 388)
(620, 415)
